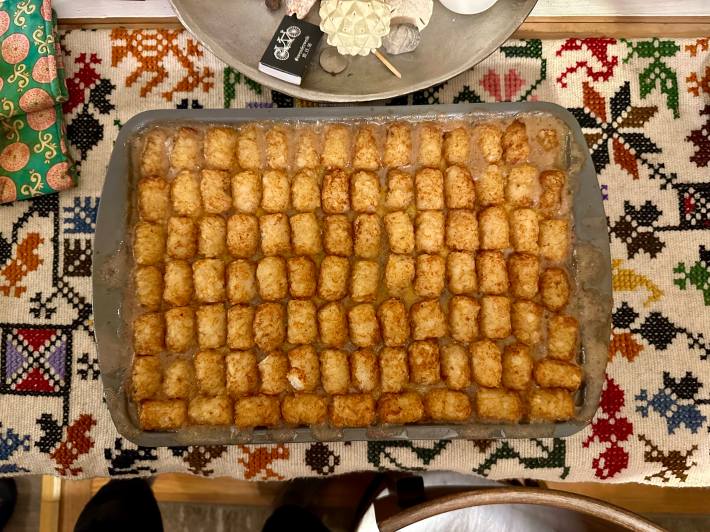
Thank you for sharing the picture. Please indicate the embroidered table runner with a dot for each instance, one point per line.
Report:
(645, 110)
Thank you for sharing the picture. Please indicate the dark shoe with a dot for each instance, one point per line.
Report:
(8, 499)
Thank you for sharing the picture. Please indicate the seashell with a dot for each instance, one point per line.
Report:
(300, 8)
(355, 27)
(401, 39)
(415, 12)
(331, 61)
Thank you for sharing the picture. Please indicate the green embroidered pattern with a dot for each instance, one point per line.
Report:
(657, 74)
(232, 78)
(382, 454)
(550, 457)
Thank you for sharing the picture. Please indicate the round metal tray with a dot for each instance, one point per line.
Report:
(239, 31)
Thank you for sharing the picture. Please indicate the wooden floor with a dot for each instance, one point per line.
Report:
(63, 500)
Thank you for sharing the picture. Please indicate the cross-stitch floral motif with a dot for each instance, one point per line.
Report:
(697, 276)
(598, 48)
(657, 74)
(677, 402)
(701, 140)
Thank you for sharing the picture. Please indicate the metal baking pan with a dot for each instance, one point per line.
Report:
(590, 265)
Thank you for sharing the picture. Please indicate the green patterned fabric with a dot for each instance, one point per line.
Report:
(33, 154)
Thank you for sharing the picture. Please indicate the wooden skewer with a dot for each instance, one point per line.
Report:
(389, 65)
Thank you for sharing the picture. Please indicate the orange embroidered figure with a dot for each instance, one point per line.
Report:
(75, 443)
(258, 459)
(26, 261)
(625, 279)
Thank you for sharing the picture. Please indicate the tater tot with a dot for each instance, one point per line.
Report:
(517, 367)
(182, 238)
(429, 188)
(334, 371)
(269, 326)
(246, 191)
(400, 232)
(248, 152)
(367, 235)
(548, 139)
(524, 230)
(304, 370)
(498, 405)
(523, 272)
(148, 333)
(493, 228)
(459, 188)
(489, 142)
(553, 184)
(333, 278)
(336, 146)
(277, 148)
(307, 155)
(550, 373)
(447, 405)
(400, 408)
(455, 367)
(215, 191)
(393, 322)
(492, 272)
(305, 234)
(490, 186)
(394, 369)
(461, 230)
(461, 273)
(337, 235)
(335, 194)
(554, 239)
(275, 234)
(354, 410)
(242, 373)
(523, 186)
(209, 372)
(149, 286)
(424, 366)
(148, 243)
(463, 318)
(153, 157)
(211, 326)
(515, 143)
(276, 191)
(367, 154)
(399, 273)
(146, 377)
(272, 373)
(302, 325)
(178, 283)
(430, 231)
(178, 379)
(304, 409)
(153, 198)
(212, 236)
(301, 277)
(400, 189)
(486, 363)
(398, 145)
(210, 410)
(333, 325)
(185, 194)
(550, 405)
(365, 191)
(431, 273)
(272, 278)
(221, 148)
(208, 280)
(242, 235)
(495, 317)
(430, 144)
(241, 281)
(364, 329)
(457, 146)
(554, 288)
(526, 319)
(162, 415)
(364, 281)
(179, 329)
(363, 370)
(187, 149)
(427, 320)
(256, 411)
(305, 191)
(562, 334)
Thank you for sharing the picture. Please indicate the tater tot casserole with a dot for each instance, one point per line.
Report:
(353, 274)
